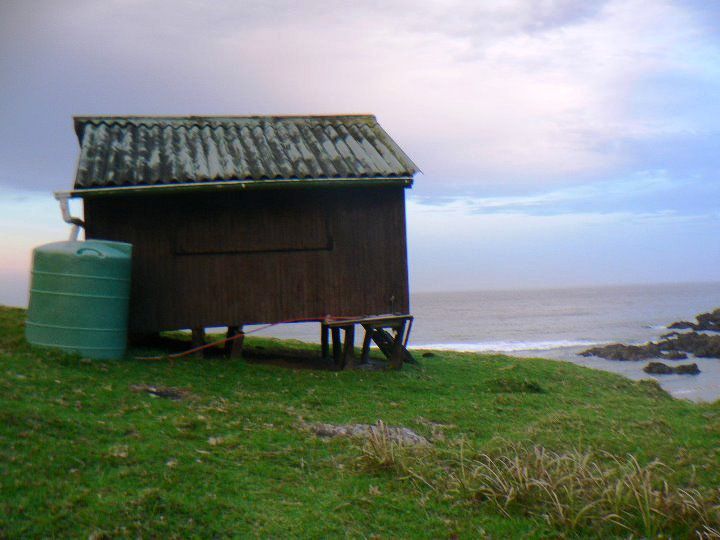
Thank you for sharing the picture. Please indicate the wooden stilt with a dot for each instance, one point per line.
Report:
(348, 359)
(386, 343)
(365, 354)
(397, 356)
(378, 329)
(324, 337)
(198, 340)
(233, 349)
(383, 340)
(336, 346)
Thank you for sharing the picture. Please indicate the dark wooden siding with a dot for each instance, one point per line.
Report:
(214, 259)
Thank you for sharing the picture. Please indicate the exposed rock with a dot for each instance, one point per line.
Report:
(705, 321)
(687, 369)
(400, 435)
(658, 368)
(682, 325)
(674, 346)
(618, 351)
(709, 321)
(673, 355)
(701, 345)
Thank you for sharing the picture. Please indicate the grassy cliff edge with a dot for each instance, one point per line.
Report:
(87, 451)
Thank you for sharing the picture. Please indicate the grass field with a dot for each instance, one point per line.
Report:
(519, 448)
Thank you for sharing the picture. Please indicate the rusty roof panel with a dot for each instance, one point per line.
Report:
(136, 151)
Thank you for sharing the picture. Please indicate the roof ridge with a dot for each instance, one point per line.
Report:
(114, 147)
(189, 120)
(216, 117)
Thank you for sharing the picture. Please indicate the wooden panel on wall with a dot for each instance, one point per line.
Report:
(217, 226)
(360, 269)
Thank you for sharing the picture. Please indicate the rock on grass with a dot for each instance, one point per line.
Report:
(397, 434)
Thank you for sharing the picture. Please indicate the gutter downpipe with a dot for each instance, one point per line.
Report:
(236, 184)
(63, 197)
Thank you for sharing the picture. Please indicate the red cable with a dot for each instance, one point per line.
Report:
(325, 319)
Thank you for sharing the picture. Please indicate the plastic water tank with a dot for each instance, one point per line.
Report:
(79, 297)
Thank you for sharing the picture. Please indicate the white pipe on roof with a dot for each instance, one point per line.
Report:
(240, 184)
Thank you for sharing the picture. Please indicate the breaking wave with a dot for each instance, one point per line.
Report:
(505, 346)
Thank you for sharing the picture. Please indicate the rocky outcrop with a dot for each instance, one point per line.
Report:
(673, 355)
(618, 351)
(682, 325)
(671, 346)
(705, 322)
(658, 368)
(674, 347)
(700, 345)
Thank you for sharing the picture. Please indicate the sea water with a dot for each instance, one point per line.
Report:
(559, 323)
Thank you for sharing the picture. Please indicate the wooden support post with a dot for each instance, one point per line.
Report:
(151, 339)
(233, 349)
(365, 354)
(348, 359)
(336, 346)
(397, 356)
(198, 340)
(324, 337)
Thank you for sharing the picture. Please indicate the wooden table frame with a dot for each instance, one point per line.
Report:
(343, 350)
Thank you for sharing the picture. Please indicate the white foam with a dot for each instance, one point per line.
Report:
(657, 327)
(506, 346)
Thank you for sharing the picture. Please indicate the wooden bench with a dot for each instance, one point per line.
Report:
(394, 347)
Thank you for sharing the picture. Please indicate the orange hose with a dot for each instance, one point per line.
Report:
(325, 319)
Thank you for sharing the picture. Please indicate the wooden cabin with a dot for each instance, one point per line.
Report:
(247, 220)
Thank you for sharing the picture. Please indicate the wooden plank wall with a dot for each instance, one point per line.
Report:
(232, 258)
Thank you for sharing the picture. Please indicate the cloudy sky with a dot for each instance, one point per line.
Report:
(562, 142)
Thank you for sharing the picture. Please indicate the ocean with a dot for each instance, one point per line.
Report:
(557, 324)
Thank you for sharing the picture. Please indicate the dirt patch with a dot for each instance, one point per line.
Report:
(166, 392)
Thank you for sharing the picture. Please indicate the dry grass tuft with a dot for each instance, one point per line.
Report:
(579, 490)
(382, 451)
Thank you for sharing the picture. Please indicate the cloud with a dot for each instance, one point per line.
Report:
(560, 139)
(604, 196)
(27, 219)
(452, 247)
(516, 93)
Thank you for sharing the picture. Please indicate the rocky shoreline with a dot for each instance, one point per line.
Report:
(699, 340)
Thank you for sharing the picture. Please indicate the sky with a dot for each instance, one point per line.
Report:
(562, 143)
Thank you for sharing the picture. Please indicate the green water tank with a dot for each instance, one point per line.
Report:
(79, 297)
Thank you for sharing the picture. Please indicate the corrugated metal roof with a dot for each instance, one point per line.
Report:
(138, 151)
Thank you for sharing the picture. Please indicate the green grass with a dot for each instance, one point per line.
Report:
(82, 453)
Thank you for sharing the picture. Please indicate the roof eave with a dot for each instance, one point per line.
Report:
(404, 181)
